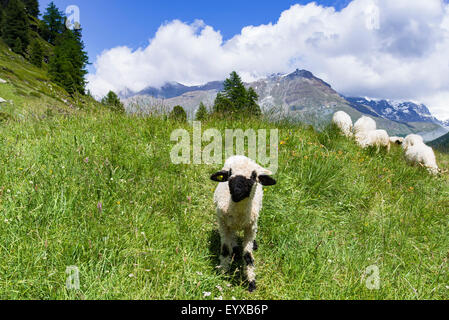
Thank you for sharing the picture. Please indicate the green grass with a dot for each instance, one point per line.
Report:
(335, 211)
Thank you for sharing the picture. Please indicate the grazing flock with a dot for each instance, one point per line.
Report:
(366, 135)
(239, 194)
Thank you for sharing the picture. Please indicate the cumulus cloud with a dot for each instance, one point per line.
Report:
(377, 48)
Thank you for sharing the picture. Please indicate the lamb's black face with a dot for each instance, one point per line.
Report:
(241, 187)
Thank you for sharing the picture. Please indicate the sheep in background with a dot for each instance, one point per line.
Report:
(344, 122)
(374, 138)
(423, 155)
(238, 199)
(411, 140)
(363, 125)
(397, 140)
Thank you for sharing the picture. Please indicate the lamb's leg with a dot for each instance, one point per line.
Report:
(248, 258)
(228, 242)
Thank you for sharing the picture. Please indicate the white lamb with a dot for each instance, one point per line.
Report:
(344, 122)
(411, 140)
(238, 199)
(423, 155)
(364, 124)
(374, 138)
(397, 140)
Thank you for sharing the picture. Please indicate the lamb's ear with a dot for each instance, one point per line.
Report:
(266, 180)
(221, 176)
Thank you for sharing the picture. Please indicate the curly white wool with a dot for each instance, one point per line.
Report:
(240, 216)
(411, 140)
(344, 122)
(423, 155)
(364, 124)
(374, 138)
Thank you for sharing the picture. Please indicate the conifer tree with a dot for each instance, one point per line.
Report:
(113, 102)
(252, 106)
(32, 7)
(36, 53)
(202, 113)
(53, 23)
(68, 64)
(178, 114)
(235, 99)
(15, 26)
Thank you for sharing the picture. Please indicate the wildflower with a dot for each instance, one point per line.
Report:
(282, 142)
(118, 202)
(219, 288)
(207, 294)
(86, 160)
(131, 275)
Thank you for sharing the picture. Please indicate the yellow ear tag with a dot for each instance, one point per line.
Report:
(220, 178)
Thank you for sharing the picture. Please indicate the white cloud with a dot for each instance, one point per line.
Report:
(378, 48)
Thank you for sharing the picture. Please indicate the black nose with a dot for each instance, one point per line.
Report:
(240, 188)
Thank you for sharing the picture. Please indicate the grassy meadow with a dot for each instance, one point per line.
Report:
(98, 191)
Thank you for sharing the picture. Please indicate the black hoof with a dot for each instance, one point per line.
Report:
(237, 253)
(255, 245)
(252, 286)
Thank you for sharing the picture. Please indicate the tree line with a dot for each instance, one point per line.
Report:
(26, 32)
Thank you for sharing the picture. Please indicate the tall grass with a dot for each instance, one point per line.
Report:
(98, 191)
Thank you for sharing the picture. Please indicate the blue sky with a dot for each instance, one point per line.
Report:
(380, 49)
(108, 24)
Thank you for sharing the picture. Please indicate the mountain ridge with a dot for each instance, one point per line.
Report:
(297, 96)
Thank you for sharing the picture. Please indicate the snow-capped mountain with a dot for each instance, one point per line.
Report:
(171, 90)
(403, 111)
(297, 96)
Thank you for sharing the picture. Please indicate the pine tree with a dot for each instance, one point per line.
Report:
(68, 64)
(112, 101)
(32, 7)
(16, 26)
(36, 53)
(1, 19)
(178, 114)
(235, 99)
(53, 24)
(252, 106)
(202, 113)
(18, 46)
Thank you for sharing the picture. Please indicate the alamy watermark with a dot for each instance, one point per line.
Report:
(372, 274)
(73, 280)
(72, 21)
(188, 151)
(372, 13)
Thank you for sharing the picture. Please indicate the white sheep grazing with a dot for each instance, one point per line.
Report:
(397, 140)
(375, 138)
(238, 199)
(411, 140)
(423, 155)
(364, 124)
(344, 122)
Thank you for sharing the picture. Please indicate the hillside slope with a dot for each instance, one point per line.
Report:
(29, 92)
(441, 143)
